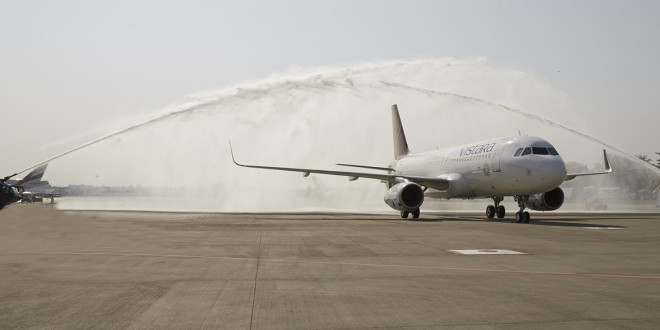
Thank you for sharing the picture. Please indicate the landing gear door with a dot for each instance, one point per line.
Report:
(497, 156)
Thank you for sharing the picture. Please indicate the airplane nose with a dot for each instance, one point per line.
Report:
(561, 167)
(555, 171)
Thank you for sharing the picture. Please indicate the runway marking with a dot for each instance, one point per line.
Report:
(309, 262)
(484, 251)
(458, 218)
(602, 227)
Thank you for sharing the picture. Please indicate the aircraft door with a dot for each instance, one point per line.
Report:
(497, 157)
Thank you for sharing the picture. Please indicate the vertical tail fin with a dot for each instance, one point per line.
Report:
(400, 144)
(34, 177)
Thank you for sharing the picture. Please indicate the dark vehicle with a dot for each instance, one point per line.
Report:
(8, 194)
(29, 197)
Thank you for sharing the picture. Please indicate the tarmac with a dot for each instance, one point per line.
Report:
(73, 269)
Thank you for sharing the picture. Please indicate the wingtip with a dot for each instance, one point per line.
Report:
(231, 150)
(608, 167)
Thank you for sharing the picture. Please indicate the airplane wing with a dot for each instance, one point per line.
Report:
(435, 183)
(389, 169)
(608, 169)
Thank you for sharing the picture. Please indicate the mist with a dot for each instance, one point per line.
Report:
(316, 118)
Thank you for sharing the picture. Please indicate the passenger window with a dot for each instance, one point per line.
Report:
(540, 151)
(527, 151)
(518, 152)
(553, 151)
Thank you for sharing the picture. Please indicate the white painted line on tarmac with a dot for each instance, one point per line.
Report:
(458, 218)
(311, 262)
(602, 227)
(484, 251)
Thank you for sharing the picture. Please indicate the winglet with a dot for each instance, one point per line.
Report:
(232, 153)
(608, 167)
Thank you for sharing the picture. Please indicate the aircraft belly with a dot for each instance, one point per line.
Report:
(477, 184)
(510, 183)
(433, 193)
(486, 185)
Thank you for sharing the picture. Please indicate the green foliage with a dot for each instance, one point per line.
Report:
(644, 158)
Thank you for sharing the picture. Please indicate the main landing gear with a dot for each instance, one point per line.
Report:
(496, 209)
(522, 216)
(415, 214)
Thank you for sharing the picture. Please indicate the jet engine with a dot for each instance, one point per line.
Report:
(405, 196)
(547, 201)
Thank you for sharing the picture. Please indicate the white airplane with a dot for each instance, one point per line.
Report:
(32, 179)
(525, 167)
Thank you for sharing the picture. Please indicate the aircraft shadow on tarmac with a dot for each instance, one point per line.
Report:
(537, 221)
(573, 224)
(582, 221)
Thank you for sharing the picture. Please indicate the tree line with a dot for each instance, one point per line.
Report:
(631, 179)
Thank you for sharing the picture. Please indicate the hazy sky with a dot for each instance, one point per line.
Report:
(66, 66)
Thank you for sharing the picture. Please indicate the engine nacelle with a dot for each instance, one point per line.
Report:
(405, 196)
(547, 201)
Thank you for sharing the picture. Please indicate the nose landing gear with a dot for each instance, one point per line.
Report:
(522, 216)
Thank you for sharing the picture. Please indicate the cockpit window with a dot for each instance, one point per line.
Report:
(527, 151)
(553, 151)
(518, 152)
(540, 151)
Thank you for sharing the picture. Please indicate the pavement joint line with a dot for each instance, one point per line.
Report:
(311, 262)
(256, 273)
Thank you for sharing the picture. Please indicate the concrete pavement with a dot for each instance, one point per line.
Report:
(66, 269)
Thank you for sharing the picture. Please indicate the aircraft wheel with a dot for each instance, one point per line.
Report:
(501, 211)
(404, 214)
(490, 211)
(519, 217)
(416, 213)
(526, 217)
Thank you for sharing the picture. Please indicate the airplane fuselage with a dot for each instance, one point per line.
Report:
(489, 168)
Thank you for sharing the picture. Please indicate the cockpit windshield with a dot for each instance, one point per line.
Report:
(536, 151)
(539, 151)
